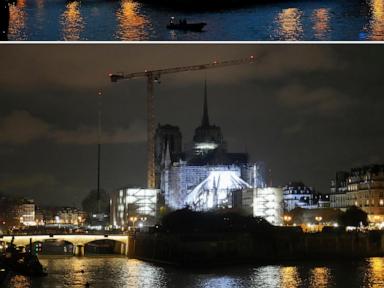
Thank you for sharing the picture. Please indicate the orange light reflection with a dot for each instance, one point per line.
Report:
(320, 277)
(321, 22)
(72, 22)
(131, 24)
(17, 19)
(289, 277)
(290, 26)
(376, 22)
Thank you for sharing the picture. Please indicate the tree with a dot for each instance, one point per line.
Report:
(354, 216)
(8, 214)
(90, 204)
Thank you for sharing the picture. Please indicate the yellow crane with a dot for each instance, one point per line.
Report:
(154, 76)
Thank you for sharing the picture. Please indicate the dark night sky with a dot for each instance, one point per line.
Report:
(306, 110)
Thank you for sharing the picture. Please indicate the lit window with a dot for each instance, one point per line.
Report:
(381, 202)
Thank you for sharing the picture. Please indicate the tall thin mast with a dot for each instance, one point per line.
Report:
(98, 150)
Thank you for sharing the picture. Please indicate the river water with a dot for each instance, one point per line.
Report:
(123, 272)
(101, 20)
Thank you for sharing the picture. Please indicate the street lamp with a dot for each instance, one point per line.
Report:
(287, 219)
(133, 220)
(142, 220)
(318, 219)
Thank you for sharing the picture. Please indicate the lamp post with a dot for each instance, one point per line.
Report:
(318, 219)
(287, 219)
(133, 220)
(142, 220)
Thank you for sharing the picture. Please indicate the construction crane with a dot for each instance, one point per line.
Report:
(154, 76)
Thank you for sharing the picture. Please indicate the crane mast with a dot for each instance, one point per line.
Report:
(154, 76)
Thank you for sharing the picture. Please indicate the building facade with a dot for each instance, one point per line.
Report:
(362, 187)
(297, 194)
(26, 212)
(131, 207)
(63, 216)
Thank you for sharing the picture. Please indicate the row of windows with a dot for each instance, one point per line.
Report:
(343, 202)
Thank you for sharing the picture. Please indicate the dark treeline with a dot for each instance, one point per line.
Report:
(186, 220)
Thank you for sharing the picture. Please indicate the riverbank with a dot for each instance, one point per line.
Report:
(279, 245)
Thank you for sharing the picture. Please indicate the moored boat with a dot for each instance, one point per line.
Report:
(25, 263)
(185, 26)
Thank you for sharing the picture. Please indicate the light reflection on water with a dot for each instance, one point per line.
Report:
(289, 24)
(131, 20)
(321, 22)
(123, 272)
(131, 23)
(376, 22)
(17, 19)
(72, 22)
(375, 275)
(320, 277)
(289, 277)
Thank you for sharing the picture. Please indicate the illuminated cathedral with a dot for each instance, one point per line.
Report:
(205, 176)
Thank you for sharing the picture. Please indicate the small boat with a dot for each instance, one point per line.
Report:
(185, 26)
(24, 263)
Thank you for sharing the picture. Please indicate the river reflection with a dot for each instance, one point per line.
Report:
(72, 22)
(321, 23)
(376, 23)
(290, 27)
(17, 20)
(320, 277)
(375, 275)
(132, 20)
(290, 277)
(131, 25)
(123, 272)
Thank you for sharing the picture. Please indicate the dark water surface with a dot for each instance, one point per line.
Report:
(123, 272)
(101, 20)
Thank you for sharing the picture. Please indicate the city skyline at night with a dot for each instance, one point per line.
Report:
(306, 111)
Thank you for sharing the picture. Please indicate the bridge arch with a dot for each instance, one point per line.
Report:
(105, 246)
(52, 246)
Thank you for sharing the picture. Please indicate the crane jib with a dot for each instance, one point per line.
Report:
(153, 76)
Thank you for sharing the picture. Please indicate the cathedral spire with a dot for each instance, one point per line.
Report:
(205, 120)
(167, 157)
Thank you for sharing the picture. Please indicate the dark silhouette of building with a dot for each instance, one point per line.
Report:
(207, 137)
(167, 137)
(209, 147)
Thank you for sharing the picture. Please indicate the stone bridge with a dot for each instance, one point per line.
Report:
(78, 240)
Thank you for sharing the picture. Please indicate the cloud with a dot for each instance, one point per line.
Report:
(27, 181)
(88, 135)
(279, 62)
(293, 129)
(20, 127)
(325, 101)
